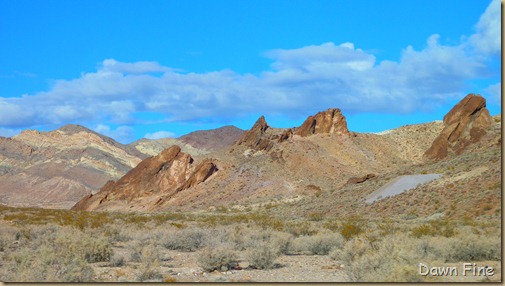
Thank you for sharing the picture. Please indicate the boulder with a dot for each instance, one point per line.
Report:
(465, 124)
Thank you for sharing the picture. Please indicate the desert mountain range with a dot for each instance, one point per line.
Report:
(55, 169)
(318, 168)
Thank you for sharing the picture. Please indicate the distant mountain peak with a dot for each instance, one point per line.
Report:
(74, 128)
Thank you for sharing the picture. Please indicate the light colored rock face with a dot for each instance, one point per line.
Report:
(57, 168)
(156, 177)
(465, 124)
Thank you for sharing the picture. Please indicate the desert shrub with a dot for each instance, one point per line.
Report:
(149, 255)
(189, 239)
(300, 228)
(352, 250)
(320, 244)
(119, 232)
(117, 260)
(279, 240)
(473, 248)
(145, 251)
(263, 255)
(58, 258)
(220, 258)
(391, 260)
(315, 216)
(97, 249)
(331, 225)
(442, 227)
(351, 229)
(149, 273)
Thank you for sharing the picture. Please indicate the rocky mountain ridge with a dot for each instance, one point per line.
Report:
(56, 169)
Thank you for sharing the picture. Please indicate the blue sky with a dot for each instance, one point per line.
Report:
(133, 69)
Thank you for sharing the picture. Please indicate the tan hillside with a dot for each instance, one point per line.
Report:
(55, 169)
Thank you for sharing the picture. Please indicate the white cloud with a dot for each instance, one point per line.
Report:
(488, 35)
(122, 134)
(300, 82)
(159, 135)
(111, 65)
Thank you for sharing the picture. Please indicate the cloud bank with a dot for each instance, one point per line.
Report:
(300, 82)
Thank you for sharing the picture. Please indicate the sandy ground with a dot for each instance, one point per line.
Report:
(183, 267)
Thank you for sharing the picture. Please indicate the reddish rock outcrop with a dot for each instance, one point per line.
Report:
(465, 124)
(256, 138)
(359, 180)
(329, 121)
(166, 174)
(262, 137)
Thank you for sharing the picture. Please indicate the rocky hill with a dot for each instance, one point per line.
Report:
(55, 169)
(322, 167)
(195, 143)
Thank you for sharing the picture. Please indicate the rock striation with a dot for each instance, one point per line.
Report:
(57, 168)
(168, 173)
(465, 124)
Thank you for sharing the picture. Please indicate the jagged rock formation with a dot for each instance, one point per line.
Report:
(262, 137)
(257, 138)
(330, 121)
(465, 124)
(168, 173)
